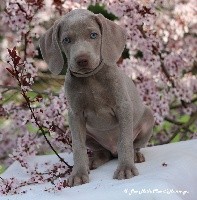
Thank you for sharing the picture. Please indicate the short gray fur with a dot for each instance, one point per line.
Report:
(105, 111)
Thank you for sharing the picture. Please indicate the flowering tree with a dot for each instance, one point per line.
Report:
(160, 56)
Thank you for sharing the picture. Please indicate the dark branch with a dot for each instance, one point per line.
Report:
(34, 117)
(179, 105)
(173, 121)
(192, 119)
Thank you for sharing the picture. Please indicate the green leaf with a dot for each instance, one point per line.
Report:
(176, 139)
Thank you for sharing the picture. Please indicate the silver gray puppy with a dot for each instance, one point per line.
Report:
(105, 111)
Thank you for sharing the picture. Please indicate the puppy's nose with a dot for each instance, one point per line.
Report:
(82, 61)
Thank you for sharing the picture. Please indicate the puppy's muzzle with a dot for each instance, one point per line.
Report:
(82, 60)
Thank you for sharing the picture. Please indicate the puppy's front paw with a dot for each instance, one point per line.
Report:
(125, 172)
(78, 179)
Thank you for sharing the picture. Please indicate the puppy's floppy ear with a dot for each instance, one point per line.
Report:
(51, 51)
(113, 40)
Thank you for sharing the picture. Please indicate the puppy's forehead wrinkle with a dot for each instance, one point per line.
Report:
(79, 26)
(79, 12)
(76, 22)
(79, 16)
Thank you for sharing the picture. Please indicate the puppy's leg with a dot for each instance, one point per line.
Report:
(80, 170)
(145, 132)
(126, 167)
(99, 155)
(139, 157)
(140, 143)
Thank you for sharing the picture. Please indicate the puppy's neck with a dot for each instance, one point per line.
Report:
(94, 71)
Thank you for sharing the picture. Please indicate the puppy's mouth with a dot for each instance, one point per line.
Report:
(85, 72)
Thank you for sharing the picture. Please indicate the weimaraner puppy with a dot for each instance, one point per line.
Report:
(105, 111)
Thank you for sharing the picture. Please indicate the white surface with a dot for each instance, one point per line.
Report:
(179, 174)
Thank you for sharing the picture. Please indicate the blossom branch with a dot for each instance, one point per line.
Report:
(15, 58)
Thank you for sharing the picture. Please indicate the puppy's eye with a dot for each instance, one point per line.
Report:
(93, 35)
(66, 40)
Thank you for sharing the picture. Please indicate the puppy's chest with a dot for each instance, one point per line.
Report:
(98, 106)
(97, 96)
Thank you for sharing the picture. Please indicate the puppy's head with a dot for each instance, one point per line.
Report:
(80, 40)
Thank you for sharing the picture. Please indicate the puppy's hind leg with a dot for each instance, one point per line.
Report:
(140, 143)
(145, 130)
(99, 155)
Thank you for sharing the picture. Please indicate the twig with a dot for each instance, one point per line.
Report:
(29, 18)
(165, 71)
(179, 105)
(67, 139)
(169, 78)
(25, 44)
(177, 123)
(43, 132)
(173, 121)
(34, 117)
(192, 119)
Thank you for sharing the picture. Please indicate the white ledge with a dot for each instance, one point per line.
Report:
(178, 174)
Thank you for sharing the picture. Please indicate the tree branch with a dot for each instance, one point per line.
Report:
(165, 71)
(169, 78)
(173, 121)
(192, 119)
(179, 105)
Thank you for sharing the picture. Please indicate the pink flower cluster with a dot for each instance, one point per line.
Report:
(26, 146)
(53, 173)
(19, 13)
(160, 69)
